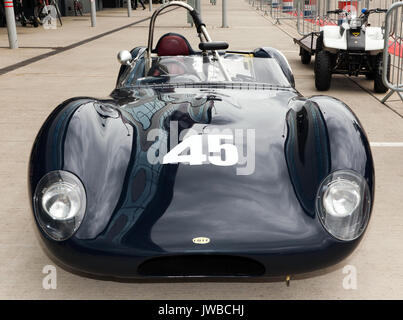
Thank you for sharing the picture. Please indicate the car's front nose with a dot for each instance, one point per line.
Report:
(198, 221)
(219, 259)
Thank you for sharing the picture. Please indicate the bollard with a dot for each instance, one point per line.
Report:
(151, 5)
(198, 6)
(224, 14)
(129, 8)
(328, 8)
(93, 14)
(189, 18)
(11, 29)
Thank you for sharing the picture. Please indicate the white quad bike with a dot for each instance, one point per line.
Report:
(353, 48)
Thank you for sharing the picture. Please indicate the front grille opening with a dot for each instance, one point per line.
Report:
(201, 265)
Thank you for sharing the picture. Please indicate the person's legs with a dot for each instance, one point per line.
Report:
(142, 3)
(135, 5)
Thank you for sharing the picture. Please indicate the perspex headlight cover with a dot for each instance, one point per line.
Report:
(59, 204)
(343, 204)
(355, 23)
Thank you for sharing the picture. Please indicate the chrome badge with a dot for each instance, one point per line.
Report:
(201, 240)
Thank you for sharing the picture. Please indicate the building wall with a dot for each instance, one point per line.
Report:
(112, 3)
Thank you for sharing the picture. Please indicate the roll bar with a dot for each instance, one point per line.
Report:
(200, 26)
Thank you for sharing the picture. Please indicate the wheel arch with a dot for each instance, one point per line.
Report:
(348, 141)
(93, 140)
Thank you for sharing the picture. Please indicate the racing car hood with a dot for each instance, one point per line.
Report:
(144, 204)
(262, 200)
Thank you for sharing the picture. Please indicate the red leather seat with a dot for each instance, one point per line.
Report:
(173, 44)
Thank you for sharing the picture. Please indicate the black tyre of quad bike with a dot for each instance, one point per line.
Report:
(371, 75)
(305, 56)
(323, 70)
(379, 87)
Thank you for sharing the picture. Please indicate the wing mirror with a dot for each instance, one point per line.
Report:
(124, 57)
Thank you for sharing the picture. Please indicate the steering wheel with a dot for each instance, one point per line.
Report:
(163, 68)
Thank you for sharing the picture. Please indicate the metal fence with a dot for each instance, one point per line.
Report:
(309, 16)
(277, 9)
(312, 14)
(394, 51)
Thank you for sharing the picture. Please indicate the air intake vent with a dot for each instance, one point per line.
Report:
(201, 265)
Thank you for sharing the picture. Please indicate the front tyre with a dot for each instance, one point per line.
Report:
(323, 70)
(305, 56)
(379, 86)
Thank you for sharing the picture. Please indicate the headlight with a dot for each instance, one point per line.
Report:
(355, 23)
(343, 204)
(59, 204)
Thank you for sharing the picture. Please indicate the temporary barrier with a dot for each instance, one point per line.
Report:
(393, 51)
(277, 9)
(312, 14)
(308, 16)
(288, 6)
(379, 19)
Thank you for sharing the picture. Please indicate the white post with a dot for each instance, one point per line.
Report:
(129, 8)
(93, 14)
(11, 29)
(189, 18)
(224, 14)
(198, 6)
(151, 5)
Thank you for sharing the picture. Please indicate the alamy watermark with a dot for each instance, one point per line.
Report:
(202, 145)
(350, 280)
(50, 279)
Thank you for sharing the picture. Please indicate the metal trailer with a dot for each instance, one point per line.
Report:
(307, 46)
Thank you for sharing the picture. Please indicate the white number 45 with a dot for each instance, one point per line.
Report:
(195, 155)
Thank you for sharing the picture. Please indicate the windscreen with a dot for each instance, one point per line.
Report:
(237, 68)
